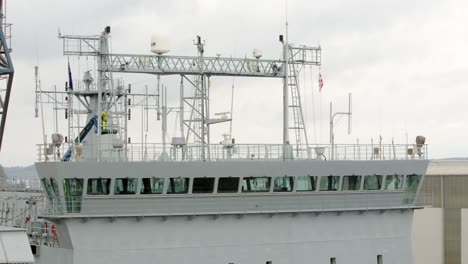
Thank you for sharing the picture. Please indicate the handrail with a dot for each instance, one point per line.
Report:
(218, 152)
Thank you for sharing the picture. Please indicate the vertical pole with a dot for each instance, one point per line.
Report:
(349, 114)
(207, 90)
(158, 100)
(285, 95)
(332, 139)
(232, 109)
(202, 88)
(55, 109)
(331, 123)
(102, 41)
(164, 119)
(181, 115)
(202, 128)
(142, 131)
(126, 121)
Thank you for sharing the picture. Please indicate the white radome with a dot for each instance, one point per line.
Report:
(160, 44)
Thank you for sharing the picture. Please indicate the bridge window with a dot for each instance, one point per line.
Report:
(306, 183)
(373, 182)
(73, 190)
(178, 185)
(256, 184)
(152, 185)
(52, 191)
(55, 188)
(228, 184)
(351, 183)
(203, 185)
(412, 182)
(329, 183)
(98, 186)
(393, 182)
(411, 186)
(125, 186)
(283, 184)
(48, 188)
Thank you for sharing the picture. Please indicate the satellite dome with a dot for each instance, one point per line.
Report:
(159, 44)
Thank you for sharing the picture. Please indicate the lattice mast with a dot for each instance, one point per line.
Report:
(198, 105)
(6, 68)
(197, 121)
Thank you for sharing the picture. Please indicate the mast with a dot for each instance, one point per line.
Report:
(285, 94)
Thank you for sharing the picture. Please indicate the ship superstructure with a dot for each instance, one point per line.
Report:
(191, 201)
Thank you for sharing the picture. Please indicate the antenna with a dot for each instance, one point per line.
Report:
(332, 124)
(232, 106)
(349, 113)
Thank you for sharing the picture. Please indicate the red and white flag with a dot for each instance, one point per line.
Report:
(320, 82)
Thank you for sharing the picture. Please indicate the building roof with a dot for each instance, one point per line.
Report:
(14, 246)
(448, 167)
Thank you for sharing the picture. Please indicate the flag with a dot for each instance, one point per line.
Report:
(70, 80)
(320, 82)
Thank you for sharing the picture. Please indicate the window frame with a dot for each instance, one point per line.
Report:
(239, 185)
(402, 183)
(338, 184)
(88, 186)
(152, 178)
(205, 178)
(116, 180)
(314, 188)
(291, 183)
(373, 175)
(188, 182)
(359, 184)
(256, 191)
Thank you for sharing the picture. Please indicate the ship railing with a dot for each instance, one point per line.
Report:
(214, 204)
(42, 232)
(216, 152)
(21, 185)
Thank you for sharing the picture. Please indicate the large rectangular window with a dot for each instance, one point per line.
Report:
(283, 184)
(125, 186)
(393, 182)
(152, 185)
(256, 184)
(306, 183)
(373, 182)
(55, 188)
(411, 186)
(329, 183)
(73, 190)
(52, 190)
(228, 185)
(412, 182)
(98, 186)
(351, 183)
(203, 185)
(178, 185)
(48, 188)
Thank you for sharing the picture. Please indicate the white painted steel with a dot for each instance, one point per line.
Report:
(287, 239)
(14, 246)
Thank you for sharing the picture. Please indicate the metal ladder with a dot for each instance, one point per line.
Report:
(295, 106)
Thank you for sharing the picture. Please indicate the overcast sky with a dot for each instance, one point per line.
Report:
(404, 61)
